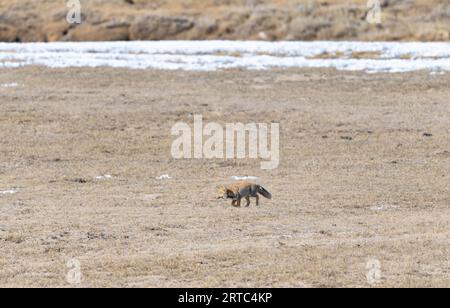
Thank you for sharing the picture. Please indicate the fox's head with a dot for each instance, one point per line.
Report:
(222, 192)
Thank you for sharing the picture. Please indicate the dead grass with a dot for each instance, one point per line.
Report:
(382, 193)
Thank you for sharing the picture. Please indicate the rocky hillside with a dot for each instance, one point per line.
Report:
(107, 20)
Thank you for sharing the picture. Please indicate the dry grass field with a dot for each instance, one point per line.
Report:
(364, 174)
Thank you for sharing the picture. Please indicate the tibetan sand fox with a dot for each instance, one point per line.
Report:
(239, 190)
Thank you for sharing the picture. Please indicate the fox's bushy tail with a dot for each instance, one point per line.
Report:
(264, 192)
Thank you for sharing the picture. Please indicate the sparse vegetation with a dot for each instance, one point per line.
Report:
(364, 175)
(27, 20)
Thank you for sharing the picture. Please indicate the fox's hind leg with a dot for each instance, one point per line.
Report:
(248, 201)
(257, 200)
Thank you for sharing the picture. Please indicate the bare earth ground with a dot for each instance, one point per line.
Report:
(364, 175)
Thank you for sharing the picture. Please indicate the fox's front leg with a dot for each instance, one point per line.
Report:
(238, 202)
(248, 201)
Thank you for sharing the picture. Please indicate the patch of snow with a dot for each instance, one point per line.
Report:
(8, 192)
(164, 177)
(382, 207)
(437, 73)
(9, 85)
(104, 177)
(244, 178)
(391, 57)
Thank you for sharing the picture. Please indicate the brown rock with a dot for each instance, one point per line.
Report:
(107, 20)
(205, 27)
(114, 31)
(8, 33)
(307, 28)
(273, 23)
(55, 31)
(158, 27)
(31, 33)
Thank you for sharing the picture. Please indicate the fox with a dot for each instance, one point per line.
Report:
(239, 190)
